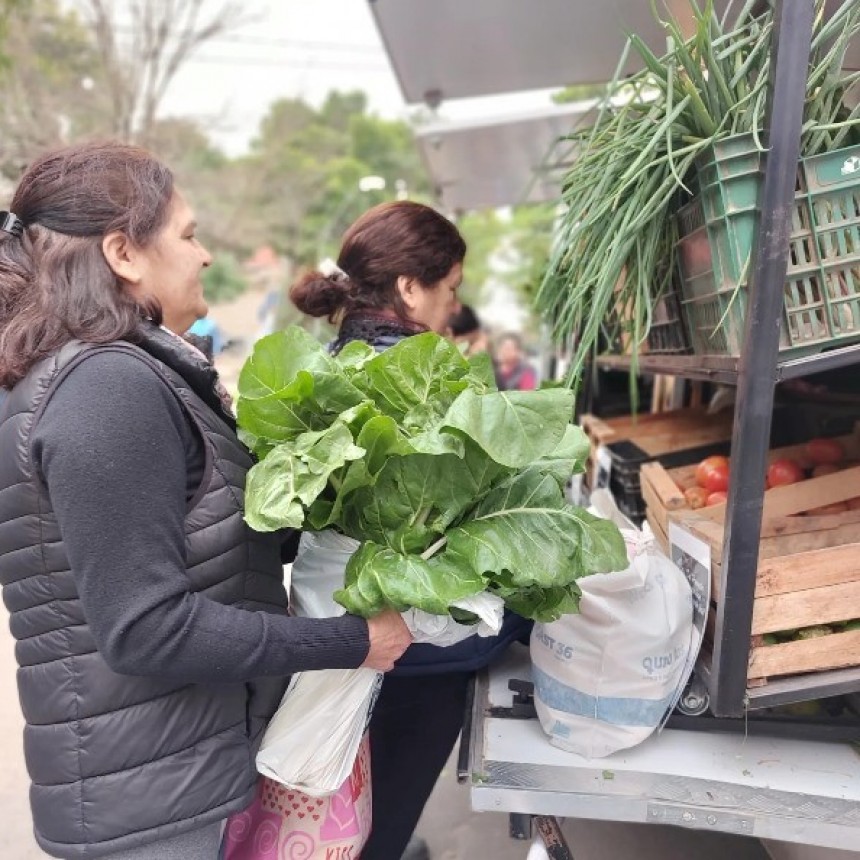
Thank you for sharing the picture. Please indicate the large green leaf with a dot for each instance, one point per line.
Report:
(276, 418)
(523, 529)
(569, 457)
(276, 361)
(514, 427)
(355, 355)
(539, 604)
(543, 604)
(294, 474)
(382, 439)
(413, 500)
(482, 375)
(311, 401)
(410, 373)
(377, 577)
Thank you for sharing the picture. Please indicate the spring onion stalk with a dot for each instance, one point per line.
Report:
(614, 250)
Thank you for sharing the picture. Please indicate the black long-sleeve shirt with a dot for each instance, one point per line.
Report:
(120, 461)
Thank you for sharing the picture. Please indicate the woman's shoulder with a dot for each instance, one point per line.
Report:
(115, 365)
(118, 380)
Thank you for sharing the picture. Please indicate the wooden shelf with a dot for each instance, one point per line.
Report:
(725, 369)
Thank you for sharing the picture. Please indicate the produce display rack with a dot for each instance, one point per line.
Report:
(725, 369)
(755, 373)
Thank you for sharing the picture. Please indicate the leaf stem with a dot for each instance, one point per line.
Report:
(434, 548)
(421, 517)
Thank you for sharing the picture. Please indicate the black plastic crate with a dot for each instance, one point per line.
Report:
(627, 459)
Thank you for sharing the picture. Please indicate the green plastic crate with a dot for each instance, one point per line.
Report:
(822, 289)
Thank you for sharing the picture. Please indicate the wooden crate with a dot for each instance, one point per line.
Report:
(661, 432)
(663, 491)
(657, 433)
(809, 566)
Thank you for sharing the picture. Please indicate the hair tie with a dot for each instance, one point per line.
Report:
(11, 223)
(329, 269)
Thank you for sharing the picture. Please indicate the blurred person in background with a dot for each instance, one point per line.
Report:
(466, 331)
(206, 335)
(153, 638)
(513, 372)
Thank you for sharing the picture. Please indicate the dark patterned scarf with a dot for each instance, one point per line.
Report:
(377, 329)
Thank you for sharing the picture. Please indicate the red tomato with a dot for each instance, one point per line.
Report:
(717, 479)
(717, 498)
(825, 451)
(782, 472)
(707, 464)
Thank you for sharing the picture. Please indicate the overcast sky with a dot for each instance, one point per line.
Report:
(293, 48)
(299, 48)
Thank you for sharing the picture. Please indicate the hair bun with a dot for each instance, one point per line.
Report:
(321, 294)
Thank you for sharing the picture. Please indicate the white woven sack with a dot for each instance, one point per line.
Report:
(605, 679)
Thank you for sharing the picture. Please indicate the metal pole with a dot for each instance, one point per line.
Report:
(790, 48)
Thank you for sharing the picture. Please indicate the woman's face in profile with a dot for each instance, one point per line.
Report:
(171, 268)
(433, 306)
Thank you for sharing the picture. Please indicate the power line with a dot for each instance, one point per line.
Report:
(275, 42)
(307, 63)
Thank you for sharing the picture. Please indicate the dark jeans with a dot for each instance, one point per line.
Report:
(412, 731)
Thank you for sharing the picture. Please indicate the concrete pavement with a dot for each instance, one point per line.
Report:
(16, 829)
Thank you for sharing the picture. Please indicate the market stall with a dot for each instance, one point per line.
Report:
(568, 43)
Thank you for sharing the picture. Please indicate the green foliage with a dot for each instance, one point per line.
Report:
(296, 190)
(453, 487)
(48, 58)
(511, 250)
(7, 8)
(306, 164)
(223, 280)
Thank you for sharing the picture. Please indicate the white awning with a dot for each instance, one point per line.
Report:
(450, 49)
(500, 161)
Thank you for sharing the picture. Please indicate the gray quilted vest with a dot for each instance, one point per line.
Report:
(119, 761)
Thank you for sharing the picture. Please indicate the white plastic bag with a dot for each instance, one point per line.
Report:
(605, 679)
(318, 572)
(312, 740)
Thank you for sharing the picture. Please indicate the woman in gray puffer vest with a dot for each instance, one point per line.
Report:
(151, 623)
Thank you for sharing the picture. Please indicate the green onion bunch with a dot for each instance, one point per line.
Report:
(614, 250)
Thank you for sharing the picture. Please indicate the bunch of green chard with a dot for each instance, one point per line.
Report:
(614, 252)
(452, 487)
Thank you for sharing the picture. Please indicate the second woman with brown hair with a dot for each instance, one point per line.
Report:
(398, 272)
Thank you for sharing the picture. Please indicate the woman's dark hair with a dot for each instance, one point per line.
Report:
(55, 283)
(464, 322)
(390, 240)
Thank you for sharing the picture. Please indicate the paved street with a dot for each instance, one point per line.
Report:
(16, 832)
